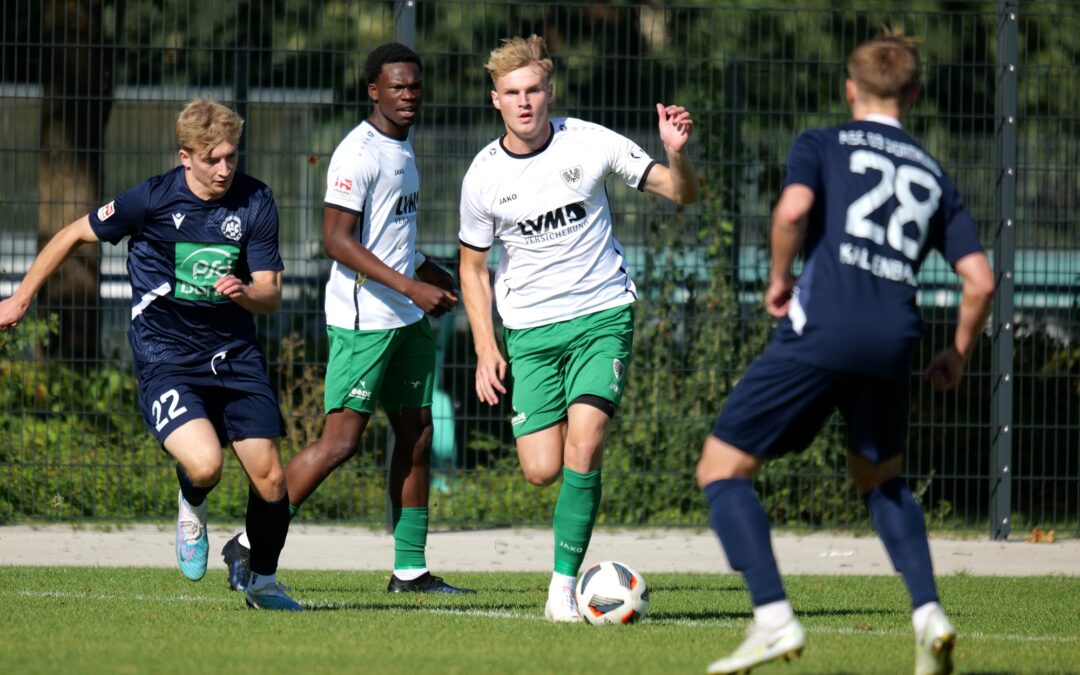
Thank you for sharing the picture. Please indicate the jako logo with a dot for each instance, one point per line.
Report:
(507, 198)
(553, 220)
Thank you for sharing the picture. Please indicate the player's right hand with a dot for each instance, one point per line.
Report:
(490, 373)
(778, 295)
(945, 369)
(11, 313)
(432, 299)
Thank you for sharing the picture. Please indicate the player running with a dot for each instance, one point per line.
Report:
(562, 289)
(865, 204)
(203, 256)
(382, 350)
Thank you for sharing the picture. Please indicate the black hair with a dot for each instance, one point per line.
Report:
(391, 52)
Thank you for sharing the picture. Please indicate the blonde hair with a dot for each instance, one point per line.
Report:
(204, 124)
(519, 52)
(887, 66)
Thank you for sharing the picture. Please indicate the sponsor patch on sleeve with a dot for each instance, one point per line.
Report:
(106, 211)
(343, 186)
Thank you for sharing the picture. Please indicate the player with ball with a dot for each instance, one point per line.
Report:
(563, 288)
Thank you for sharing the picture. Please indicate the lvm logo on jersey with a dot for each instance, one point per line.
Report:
(555, 219)
(406, 204)
(198, 266)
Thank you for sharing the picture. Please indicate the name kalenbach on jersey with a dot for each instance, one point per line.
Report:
(880, 266)
(553, 224)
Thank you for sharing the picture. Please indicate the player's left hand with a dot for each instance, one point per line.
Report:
(945, 369)
(230, 285)
(430, 273)
(675, 126)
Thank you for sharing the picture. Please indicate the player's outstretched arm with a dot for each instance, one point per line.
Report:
(476, 294)
(62, 245)
(947, 366)
(785, 240)
(677, 181)
(342, 246)
(262, 295)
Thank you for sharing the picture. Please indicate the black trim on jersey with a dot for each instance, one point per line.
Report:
(384, 134)
(534, 153)
(626, 274)
(599, 402)
(346, 209)
(356, 286)
(475, 248)
(644, 175)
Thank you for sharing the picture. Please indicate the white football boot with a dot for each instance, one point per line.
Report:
(761, 646)
(562, 606)
(934, 647)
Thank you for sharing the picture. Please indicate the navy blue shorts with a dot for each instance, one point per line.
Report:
(779, 406)
(231, 390)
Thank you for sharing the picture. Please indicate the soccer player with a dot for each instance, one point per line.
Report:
(203, 256)
(562, 288)
(865, 204)
(382, 350)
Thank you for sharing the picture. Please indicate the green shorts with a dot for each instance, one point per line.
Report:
(392, 367)
(553, 365)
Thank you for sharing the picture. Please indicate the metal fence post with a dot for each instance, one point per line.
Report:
(1001, 466)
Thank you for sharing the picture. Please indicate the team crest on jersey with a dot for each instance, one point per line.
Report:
(572, 176)
(106, 211)
(231, 228)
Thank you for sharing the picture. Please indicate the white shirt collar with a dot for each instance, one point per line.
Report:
(882, 119)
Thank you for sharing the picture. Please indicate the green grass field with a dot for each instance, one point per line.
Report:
(154, 621)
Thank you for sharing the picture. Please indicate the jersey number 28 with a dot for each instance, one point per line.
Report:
(894, 181)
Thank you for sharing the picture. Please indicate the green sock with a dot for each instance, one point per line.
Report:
(410, 537)
(575, 515)
(293, 508)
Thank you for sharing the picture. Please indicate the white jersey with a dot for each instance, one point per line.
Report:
(375, 177)
(550, 210)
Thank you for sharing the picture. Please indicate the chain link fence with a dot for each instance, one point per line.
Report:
(88, 94)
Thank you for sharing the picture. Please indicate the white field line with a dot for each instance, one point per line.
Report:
(503, 614)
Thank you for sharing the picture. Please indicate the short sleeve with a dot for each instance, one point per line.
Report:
(804, 162)
(477, 229)
(123, 216)
(349, 180)
(956, 235)
(262, 250)
(627, 159)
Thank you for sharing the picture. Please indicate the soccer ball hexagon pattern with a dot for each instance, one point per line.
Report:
(612, 592)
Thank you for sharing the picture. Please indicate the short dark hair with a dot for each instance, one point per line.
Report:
(391, 52)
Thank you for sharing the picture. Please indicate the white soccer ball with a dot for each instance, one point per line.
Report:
(612, 592)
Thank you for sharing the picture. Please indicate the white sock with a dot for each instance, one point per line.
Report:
(243, 540)
(258, 581)
(409, 575)
(774, 614)
(921, 615)
(198, 512)
(560, 582)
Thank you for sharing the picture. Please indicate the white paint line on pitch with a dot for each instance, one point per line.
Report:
(502, 614)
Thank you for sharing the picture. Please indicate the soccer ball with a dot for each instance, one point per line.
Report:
(612, 592)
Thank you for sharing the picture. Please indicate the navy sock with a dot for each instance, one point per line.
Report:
(193, 494)
(898, 519)
(267, 526)
(740, 522)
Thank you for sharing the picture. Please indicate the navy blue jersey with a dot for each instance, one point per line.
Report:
(880, 204)
(180, 245)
